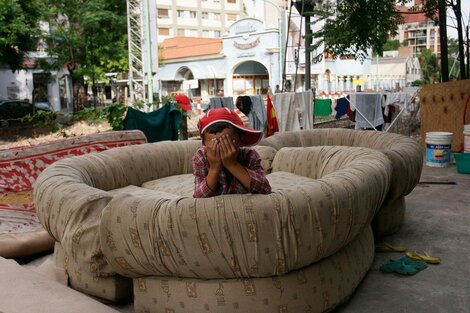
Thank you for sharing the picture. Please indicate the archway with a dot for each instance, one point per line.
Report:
(250, 78)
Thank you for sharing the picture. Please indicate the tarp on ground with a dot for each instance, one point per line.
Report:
(159, 125)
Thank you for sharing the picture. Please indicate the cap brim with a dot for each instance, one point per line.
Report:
(250, 136)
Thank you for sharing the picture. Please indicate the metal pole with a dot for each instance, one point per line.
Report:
(468, 53)
(93, 86)
(148, 53)
(308, 43)
(377, 72)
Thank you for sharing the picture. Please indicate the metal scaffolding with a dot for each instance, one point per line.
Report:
(141, 33)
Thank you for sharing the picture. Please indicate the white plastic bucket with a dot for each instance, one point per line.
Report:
(438, 149)
(466, 138)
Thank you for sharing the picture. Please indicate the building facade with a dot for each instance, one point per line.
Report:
(418, 32)
(52, 88)
(244, 62)
(196, 18)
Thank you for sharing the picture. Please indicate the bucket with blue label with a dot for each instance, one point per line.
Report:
(438, 146)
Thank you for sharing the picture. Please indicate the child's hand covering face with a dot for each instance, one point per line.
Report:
(222, 148)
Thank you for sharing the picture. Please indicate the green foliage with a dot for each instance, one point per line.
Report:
(391, 45)
(41, 119)
(88, 36)
(417, 83)
(115, 114)
(90, 115)
(429, 66)
(355, 26)
(19, 31)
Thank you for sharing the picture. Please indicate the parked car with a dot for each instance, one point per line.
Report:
(12, 111)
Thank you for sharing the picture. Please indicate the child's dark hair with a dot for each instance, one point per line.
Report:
(218, 127)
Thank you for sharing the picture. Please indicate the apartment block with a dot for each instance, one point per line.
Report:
(197, 18)
(418, 32)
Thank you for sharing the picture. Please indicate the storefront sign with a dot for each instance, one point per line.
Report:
(246, 46)
(245, 28)
(245, 54)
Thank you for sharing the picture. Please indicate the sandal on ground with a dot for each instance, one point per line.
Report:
(423, 256)
(403, 266)
(386, 247)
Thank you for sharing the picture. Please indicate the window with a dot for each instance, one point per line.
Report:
(206, 33)
(231, 1)
(204, 15)
(164, 31)
(180, 32)
(192, 14)
(216, 33)
(162, 13)
(231, 17)
(192, 32)
(216, 16)
(180, 13)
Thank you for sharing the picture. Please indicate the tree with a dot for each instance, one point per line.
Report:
(391, 45)
(429, 66)
(19, 30)
(356, 26)
(431, 7)
(89, 37)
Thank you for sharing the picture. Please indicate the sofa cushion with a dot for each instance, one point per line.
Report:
(315, 288)
(182, 185)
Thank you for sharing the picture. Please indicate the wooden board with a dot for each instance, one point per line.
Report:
(442, 108)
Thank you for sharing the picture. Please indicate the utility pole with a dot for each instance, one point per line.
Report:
(305, 8)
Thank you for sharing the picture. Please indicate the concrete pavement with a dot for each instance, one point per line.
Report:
(437, 221)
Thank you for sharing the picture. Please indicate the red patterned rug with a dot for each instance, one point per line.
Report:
(20, 167)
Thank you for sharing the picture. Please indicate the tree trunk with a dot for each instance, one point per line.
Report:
(443, 41)
(458, 15)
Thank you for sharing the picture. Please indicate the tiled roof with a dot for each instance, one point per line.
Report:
(184, 47)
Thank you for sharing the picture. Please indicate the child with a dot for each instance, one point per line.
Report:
(223, 165)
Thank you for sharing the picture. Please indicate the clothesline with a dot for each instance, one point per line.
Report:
(402, 108)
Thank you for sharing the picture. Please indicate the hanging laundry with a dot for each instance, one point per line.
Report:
(272, 124)
(244, 104)
(257, 116)
(159, 125)
(287, 114)
(303, 102)
(341, 107)
(220, 102)
(322, 107)
(368, 107)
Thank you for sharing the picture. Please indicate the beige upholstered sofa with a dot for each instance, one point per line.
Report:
(405, 154)
(126, 227)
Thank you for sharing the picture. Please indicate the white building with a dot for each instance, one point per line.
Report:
(244, 62)
(36, 85)
(394, 71)
(196, 18)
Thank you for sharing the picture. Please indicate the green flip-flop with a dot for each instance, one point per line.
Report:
(403, 266)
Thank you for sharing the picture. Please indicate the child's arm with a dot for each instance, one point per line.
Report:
(252, 176)
(201, 171)
(228, 156)
(215, 163)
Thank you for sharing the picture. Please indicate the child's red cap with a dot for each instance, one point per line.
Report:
(250, 136)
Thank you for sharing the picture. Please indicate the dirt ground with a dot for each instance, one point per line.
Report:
(28, 135)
